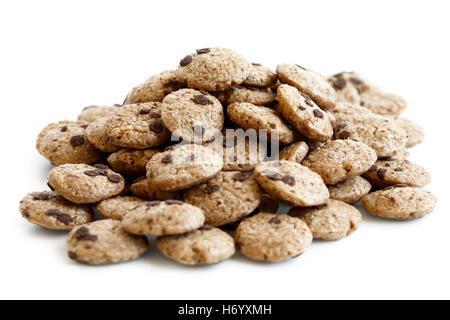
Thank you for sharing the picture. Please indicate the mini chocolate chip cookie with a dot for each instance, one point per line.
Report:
(272, 237)
(131, 162)
(183, 167)
(155, 88)
(338, 160)
(66, 142)
(103, 242)
(383, 103)
(260, 77)
(192, 115)
(390, 172)
(295, 152)
(351, 190)
(332, 220)
(309, 82)
(213, 69)
(208, 245)
(400, 203)
(357, 81)
(249, 116)
(292, 182)
(414, 132)
(226, 198)
(256, 96)
(49, 210)
(345, 90)
(98, 134)
(137, 126)
(301, 111)
(143, 188)
(81, 183)
(118, 207)
(92, 113)
(159, 218)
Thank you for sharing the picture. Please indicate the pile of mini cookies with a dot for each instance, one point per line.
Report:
(191, 157)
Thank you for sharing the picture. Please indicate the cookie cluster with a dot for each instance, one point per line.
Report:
(202, 157)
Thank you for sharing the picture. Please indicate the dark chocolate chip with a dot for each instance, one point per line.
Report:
(83, 234)
(344, 134)
(77, 141)
(167, 159)
(61, 217)
(64, 129)
(272, 175)
(114, 178)
(399, 169)
(202, 51)
(155, 114)
(26, 213)
(289, 180)
(241, 176)
(186, 60)
(381, 173)
(73, 255)
(317, 113)
(212, 188)
(275, 220)
(339, 83)
(172, 84)
(101, 166)
(356, 81)
(341, 126)
(156, 126)
(257, 64)
(84, 126)
(202, 99)
(373, 168)
(91, 173)
(40, 196)
(302, 108)
(144, 111)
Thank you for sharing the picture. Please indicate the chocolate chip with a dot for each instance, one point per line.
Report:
(167, 159)
(172, 84)
(172, 202)
(153, 203)
(372, 168)
(114, 178)
(61, 217)
(101, 166)
(317, 113)
(202, 99)
(399, 169)
(202, 51)
(84, 126)
(275, 220)
(186, 60)
(73, 255)
(302, 108)
(155, 114)
(77, 141)
(320, 207)
(206, 227)
(362, 103)
(83, 234)
(381, 173)
(339, 83)
(344, 134)
(40, 196)
(272, 175)
(257, 64)
(144, 111)
(356, 81)
(91, 173)
(156, 126)
(289, 180)
(26, 213)
(212, 188)
(50, 186)
(64, 129)
(241, 176)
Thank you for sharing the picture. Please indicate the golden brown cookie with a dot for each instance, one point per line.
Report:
(350, 190)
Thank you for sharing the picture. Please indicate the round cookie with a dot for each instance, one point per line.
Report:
(292, 182)
(350, 190)
(160, 218)
(118, 207)
(338, 160)
(207, 245)
(81, 183)
(213, 69)
(272, 237)
(381, 134)
(347, 112)
(226, 198)
(345, 91)
(298, 108)
(400, 203)
(137, 126)
(308, 82)
(92, 113)
(295, 152)
(383, 103)
(131, 162)
(192, 115)
(333, 220)
(143, 188)
(249, 116)
(103, 242)
(49, 210)
(66, 142)
(258, 97)
(356, 81)
(97, 133)
(390, 172)
(183, 167)
(260, 77)
(155, 88)
(414, 132)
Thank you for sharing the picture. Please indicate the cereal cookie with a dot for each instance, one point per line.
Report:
(260, 77)
(131, 162)
(308, 82)
(207, 245)
(103, 242)
(49, 210)
(258, 97)
(155, 88)
(383, 103)
(92, 113)
(192, 114)
(414, 132)
(400, 203)
(213, 69)
(345, 90)
(295, 152)
(118, 207)
(66, 142)
(292, 182)
(338, 160)
(249, 116)
(226, 198)
(386, 173)
(298, 108)
(333, 220)
(137, 126)
(183, 167)
(97, 133)
(350, 190)
(81, 183)
(272, 237)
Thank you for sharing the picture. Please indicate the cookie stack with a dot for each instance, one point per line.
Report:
(201, 158)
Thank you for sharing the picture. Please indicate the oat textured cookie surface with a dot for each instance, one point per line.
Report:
(118, 207)
(350, 190)
(92, 113)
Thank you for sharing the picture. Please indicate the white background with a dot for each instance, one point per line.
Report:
(59, 56)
